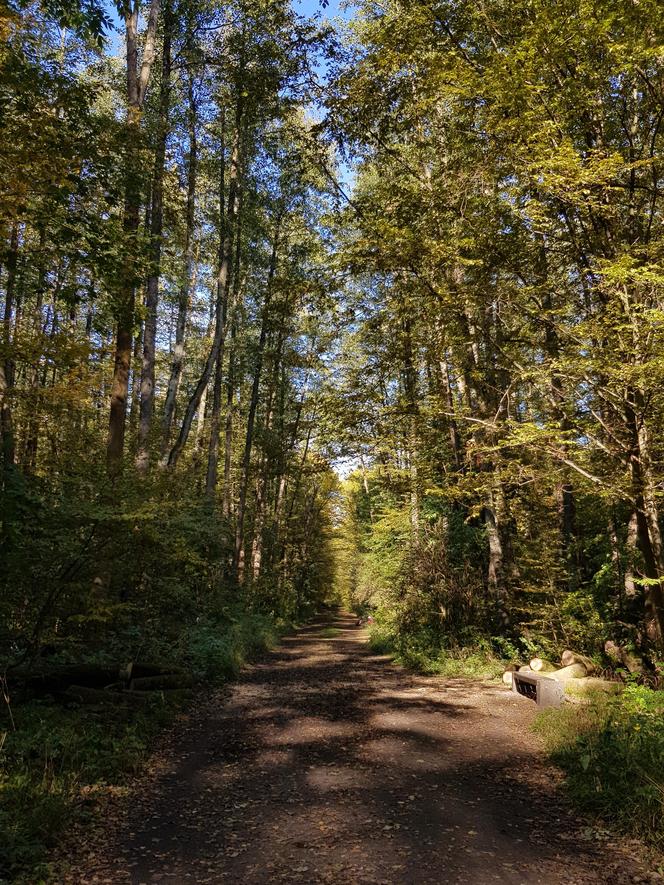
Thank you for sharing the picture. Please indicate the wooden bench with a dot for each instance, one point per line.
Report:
(546, 692)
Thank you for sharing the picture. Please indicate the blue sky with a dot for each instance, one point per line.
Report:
(333, 9)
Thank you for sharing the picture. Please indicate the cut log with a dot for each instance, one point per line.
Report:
(141, 669)
(541, 666)
(65, 674)
(592, 685)
(157, 683)
(86, 695)
(569, 657)
(507, 675)
(56, 678)
(525, 669)
(624, 658)
(115, 686)
(573, 671)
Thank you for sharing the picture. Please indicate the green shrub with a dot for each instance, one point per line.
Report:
(55, 751)
(44, 763)
(30, 821)
(382, 638)
(612, 751)
(424, 652)
(213, 656)
(217, 651)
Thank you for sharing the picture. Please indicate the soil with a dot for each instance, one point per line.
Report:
(326, 763)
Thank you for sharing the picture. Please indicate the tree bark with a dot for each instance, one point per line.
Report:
(565, 490)
(7, 364)
(410, 385)
(253, 404)
(187, 286)
(136, 377)
(230, 381)
(495, 569)
(630, 548)
(156, 234)
(223, 282)
(647, 517)
(226, 219)
(137, 83)
(31, 442)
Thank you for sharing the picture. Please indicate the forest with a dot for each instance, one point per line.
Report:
(307, 305)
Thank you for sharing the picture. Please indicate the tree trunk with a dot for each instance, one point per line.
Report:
(267, 467)
(228, 222)
(258, 528)
(187, 286)
(495, 569)
(7, 365)
(215, 425)
(223, 281)
(647, 518)
(630, 548)
(137, 83)
(455, 436)
(251, 417)
(651, 537)
(230, 393)
(31, 443)
(228, 434)
(278, 548)
(410, 390)
(565, 491)
(156, 233)
(136, 378)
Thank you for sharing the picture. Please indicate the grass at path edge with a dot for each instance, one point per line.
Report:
(612, 752)
(611, 748)
(476, 660)
(61, 756)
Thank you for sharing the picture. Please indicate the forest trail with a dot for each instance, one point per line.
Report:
(328, 764)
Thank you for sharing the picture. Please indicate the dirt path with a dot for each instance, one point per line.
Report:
(326, 764)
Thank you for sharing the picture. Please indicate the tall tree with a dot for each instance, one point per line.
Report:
(139, 70)
(156, 234)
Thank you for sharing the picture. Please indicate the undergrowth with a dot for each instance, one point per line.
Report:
(612, 751)
(50, 762)
(478, 657)
(56, 757)
(217, 655)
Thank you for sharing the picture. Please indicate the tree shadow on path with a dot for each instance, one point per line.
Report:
(327, 764)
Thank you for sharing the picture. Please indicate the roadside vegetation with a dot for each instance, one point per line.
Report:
(59, 758)
(505, 241)
(476, 657)
(240, 247)
(165, 308)
(611, 750)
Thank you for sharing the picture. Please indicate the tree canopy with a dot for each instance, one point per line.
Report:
(294, 312)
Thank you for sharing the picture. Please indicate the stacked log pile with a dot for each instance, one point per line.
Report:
(576, 672)
(130, 684)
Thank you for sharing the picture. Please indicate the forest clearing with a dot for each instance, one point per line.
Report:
(331, 441)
